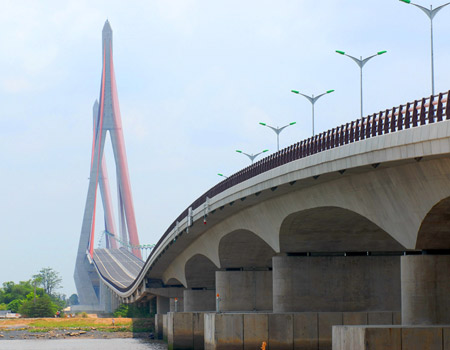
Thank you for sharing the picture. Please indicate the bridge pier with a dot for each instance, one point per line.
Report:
(199, 300)
(336, 283)
(425, 289)
(244, 290)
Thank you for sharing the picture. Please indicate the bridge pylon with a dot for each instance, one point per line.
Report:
(107, 119)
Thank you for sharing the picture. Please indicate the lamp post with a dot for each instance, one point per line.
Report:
(361, 62)
(313, 100)
(430, 13)
(226, 177)
(252, 156)
(277, 131)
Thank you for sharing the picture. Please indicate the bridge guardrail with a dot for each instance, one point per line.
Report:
(413, 114)
(420, 112)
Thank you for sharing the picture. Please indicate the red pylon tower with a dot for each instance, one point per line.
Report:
(106, 120)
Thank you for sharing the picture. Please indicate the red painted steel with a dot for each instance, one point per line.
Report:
(123, 167)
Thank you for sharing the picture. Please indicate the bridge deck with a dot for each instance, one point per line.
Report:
(118, 266)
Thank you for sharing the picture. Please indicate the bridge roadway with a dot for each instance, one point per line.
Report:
(337, 209)
(118, 266)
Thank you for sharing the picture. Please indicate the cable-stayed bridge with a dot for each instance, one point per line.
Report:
(352, 223)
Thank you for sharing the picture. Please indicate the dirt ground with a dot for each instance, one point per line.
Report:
(60, 328)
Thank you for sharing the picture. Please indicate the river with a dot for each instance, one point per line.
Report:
(83, 344)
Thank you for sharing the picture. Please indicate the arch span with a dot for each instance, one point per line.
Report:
(333, 229)
(200, 272)
(434, 232)
(244, 249)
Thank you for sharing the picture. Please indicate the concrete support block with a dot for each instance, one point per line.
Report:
(176, 305)
(366, 338)
(256, 330)
(199, 330)
(281, 331)
(306, 331)
(326, 320)
(354, 318)
(380, 318)
(224, 331)
(162, 305)
(244, 290)
(418, 338)
(446, 335)
(199, 300)
(159, 326)
(180, 331)
(336, 284)
(397, 318)
(425, 293)
(165, 327)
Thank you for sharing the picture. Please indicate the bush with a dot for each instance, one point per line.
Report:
(42, 307)
(15, 305)
(131, 311)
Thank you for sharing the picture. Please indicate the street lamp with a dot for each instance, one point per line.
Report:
(278, 131)
(226, 177)
(313, 100)
(430, 13)
(252, 156)
(361, 62)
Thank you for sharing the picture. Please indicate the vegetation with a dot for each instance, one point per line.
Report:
(35, 297)
(43, 325)
(132, 311)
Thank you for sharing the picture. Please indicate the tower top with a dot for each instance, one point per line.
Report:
(107, 32)
(107, 28)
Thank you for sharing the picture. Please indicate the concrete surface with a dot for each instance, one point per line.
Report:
(244, 290)
(199, 300)
(391, 338)
(351, 283)
(425, 289)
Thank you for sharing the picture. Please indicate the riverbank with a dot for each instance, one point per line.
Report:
(77, 327)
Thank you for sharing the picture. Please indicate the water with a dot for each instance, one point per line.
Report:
(82, 344)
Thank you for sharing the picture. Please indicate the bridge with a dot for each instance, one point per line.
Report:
(348, 227)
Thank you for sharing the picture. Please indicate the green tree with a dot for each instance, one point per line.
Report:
(15, 305)
(12, 291)
(49, 279)
(73, 300)
(42, 307)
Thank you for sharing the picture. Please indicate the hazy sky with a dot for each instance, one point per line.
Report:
(194, 79)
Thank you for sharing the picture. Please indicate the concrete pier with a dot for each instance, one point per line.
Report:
(312, 330)
(244, 290)
(392, 338)
(425, 292)
(199, 300)
(336, 283)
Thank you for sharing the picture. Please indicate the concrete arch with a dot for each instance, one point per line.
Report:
(332, 229)
(208, 243)
(434, 232)
(244, 249)
(200, 272)
(172, 282)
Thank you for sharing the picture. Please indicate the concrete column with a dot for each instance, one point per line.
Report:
(162, 305)
(336, 283)
(425, 281)
(159, 326)
(176, 305)
(244, 290)
(199, 300)
(152, 306)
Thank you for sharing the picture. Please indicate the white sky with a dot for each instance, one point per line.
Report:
(194, 79)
